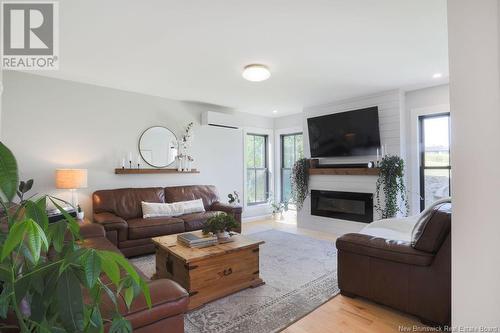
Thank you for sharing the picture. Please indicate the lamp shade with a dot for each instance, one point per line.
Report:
(71, 178)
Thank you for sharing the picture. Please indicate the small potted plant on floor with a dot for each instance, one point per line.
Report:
(279, 208)
(220, 225)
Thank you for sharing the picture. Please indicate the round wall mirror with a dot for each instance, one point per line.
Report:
(158, 146)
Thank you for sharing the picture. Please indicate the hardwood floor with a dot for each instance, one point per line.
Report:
(340, 314)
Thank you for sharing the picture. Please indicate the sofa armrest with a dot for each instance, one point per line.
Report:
(116, 227)
(168, 299)
(235, 211)
(91, 230)
(381, 248)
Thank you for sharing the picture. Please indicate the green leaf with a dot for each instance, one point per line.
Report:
(72, 257)
(5, 300)
(110, 267)
(120, 325)
(38, 307)
(92, 267)
(34, 242)
(35, 238)
(56, 235)
(5, 273)
(9, 177)
(95, 320)
(129, 296)
(109, 292)
(70, 301)
(133, 274)
(74, 227)
(36, 213)
(21, 287)
(15, 237)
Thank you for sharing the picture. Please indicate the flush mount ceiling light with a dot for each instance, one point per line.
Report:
(437, 76)
(275, 111)
(256, 73)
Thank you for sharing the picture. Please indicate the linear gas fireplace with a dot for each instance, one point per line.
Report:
(350, 206)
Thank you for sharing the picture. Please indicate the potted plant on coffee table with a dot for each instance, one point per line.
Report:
(220, 225)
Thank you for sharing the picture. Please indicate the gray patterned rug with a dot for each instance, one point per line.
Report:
(300, 275)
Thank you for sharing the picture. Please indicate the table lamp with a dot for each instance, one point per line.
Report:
(71, 179)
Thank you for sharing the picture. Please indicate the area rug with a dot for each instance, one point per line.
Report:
(300, 275)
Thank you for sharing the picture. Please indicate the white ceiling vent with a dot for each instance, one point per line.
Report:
(219, 119)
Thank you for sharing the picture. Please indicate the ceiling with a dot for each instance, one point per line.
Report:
(194, 50)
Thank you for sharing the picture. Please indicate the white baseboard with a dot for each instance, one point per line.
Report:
(256, 218)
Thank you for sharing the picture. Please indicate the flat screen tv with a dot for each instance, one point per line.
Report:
(351, 133)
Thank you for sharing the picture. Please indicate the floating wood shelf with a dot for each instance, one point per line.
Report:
(345, 171)
(150, 171)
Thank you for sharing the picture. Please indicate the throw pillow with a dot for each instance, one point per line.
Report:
(155, 209)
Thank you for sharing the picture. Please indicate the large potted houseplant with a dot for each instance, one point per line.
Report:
(45, 273)
(390, 189)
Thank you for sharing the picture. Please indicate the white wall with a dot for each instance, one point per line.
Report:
(392, 121)
(291, 121)
(420, 102)
(51, 123)
(475, 100)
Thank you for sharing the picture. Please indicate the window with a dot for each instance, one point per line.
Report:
(292, 149)
(435, 168)
(257, 187)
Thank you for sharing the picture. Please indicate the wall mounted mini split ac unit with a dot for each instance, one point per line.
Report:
(219, 119)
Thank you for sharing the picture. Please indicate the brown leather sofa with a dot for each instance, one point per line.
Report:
(169, 300)
(120, 212)
(414, 277)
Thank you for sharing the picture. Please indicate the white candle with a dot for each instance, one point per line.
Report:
(138, 160)
(385, 149)
(123, 162)
(377, 154)
(130, 157)
(383, 152)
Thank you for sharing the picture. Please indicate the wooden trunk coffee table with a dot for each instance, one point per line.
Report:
(211, 272)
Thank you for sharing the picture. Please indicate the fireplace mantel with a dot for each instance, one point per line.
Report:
(345, 171)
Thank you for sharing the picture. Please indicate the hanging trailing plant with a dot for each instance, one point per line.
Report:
(300, 182)
(391, 182)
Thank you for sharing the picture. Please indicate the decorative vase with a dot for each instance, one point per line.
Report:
(179, 163)
(80, 215)
(223, 235)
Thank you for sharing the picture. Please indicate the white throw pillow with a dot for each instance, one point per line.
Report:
(155, 209)
(193, 206)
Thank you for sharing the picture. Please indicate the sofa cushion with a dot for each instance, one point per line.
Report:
(195, 221)
(430, 234)
(153, 227)
(126, 202)
(208, 193)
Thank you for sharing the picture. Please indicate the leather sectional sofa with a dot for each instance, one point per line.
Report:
(169, 300)
(119, 211)
(411, 276)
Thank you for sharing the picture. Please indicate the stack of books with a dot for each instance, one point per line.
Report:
(192, 240)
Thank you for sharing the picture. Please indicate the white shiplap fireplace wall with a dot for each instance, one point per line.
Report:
(392, 128)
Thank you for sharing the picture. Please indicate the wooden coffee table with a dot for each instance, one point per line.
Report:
(211, 272)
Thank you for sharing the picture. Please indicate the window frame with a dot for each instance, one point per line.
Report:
(265, 168)
(421, 144)
(282, 157)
